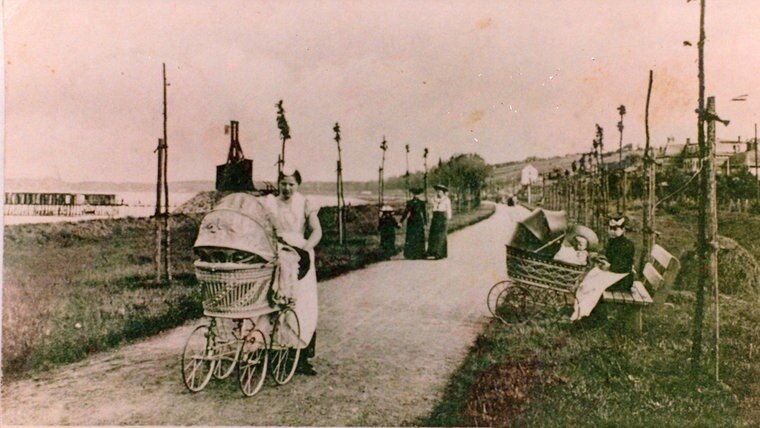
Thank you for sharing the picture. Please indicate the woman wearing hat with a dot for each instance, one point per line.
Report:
(437, 244)
(387, 226)
(416, 219)
(614, 273)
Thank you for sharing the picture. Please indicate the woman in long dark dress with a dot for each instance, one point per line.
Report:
(437, 243)
(416, 218)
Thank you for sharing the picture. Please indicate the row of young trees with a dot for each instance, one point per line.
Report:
(465, 175)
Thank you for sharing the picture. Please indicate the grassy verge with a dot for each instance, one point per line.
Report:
(71, 289)
(597, 373)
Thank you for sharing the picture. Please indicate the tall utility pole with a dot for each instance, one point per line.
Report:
(163, 235)
(384, 147)
(168, 237)
(712, 225)
(339, 188)
(699, 305)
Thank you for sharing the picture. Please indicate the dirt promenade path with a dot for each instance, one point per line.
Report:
(389, 337)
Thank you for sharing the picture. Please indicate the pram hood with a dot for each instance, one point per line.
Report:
(539, 228)
(240, 221)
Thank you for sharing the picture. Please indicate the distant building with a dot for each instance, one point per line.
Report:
(529, 175)
(745, 160)
(685, 156)
(725, 150)
(729, 155)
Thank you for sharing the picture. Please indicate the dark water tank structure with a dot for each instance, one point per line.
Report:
(237, 174)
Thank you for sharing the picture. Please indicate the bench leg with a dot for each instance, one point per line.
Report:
(633, 318)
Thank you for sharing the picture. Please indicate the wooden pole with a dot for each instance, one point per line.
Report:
(339, 189)
(757, 173)
(384, 147)
(699, 305)
(649, 164)
(406, 176)
(425, 177)
(157, 215)
(625, 191)
(282, 124)
(167, 232)
(712, 228)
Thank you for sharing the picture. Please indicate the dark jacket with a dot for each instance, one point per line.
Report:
(620, 253)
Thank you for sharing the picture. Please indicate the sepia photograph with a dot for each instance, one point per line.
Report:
(380, 213)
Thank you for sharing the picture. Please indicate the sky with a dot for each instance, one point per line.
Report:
(504, 79)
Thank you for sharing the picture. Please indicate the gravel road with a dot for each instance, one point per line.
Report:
(389, 337)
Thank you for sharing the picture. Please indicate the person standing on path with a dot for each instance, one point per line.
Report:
(437, 243)
(387, 226)
(295, 218)
(416, 219)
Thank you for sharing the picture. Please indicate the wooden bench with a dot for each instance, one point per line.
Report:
(658, 275)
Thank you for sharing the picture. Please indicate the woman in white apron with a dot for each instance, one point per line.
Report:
(294, 216)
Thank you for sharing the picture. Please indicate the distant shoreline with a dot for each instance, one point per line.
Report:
(138, 204)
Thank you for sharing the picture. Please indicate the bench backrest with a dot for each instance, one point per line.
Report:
(652, 276)
(668, 265)
(660, 272)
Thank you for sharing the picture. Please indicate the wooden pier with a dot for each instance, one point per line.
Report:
(60, 204)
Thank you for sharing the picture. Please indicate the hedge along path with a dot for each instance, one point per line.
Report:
(388, 340)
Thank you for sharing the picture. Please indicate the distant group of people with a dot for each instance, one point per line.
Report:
(415, 216)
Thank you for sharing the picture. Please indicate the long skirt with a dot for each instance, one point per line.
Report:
(437, 244)
(388, 242)
(414, 245)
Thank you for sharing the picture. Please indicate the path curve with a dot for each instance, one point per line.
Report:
(389, 337)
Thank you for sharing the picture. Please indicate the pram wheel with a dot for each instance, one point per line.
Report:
(252, 365)
(514, 304)
(198, 359)
(493, 295)
(226, 349)
(284, 348)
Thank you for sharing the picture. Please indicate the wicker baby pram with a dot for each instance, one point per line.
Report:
(249, 321)
(536, 285)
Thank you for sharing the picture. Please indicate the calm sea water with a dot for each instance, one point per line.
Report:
(142, 204)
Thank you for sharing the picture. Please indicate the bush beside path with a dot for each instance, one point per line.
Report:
(389, 337)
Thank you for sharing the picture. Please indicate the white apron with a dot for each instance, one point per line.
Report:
(290, 219)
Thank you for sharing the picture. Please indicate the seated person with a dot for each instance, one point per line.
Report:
(614, 272)
(573, 251)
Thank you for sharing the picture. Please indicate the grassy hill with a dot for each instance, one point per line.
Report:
(509, 172)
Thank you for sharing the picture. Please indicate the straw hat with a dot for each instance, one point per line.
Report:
(441, 187)
(583, 231)
(387, 208)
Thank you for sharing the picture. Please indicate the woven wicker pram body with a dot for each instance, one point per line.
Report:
(233, 290)
(538, 270)
(238, 228)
